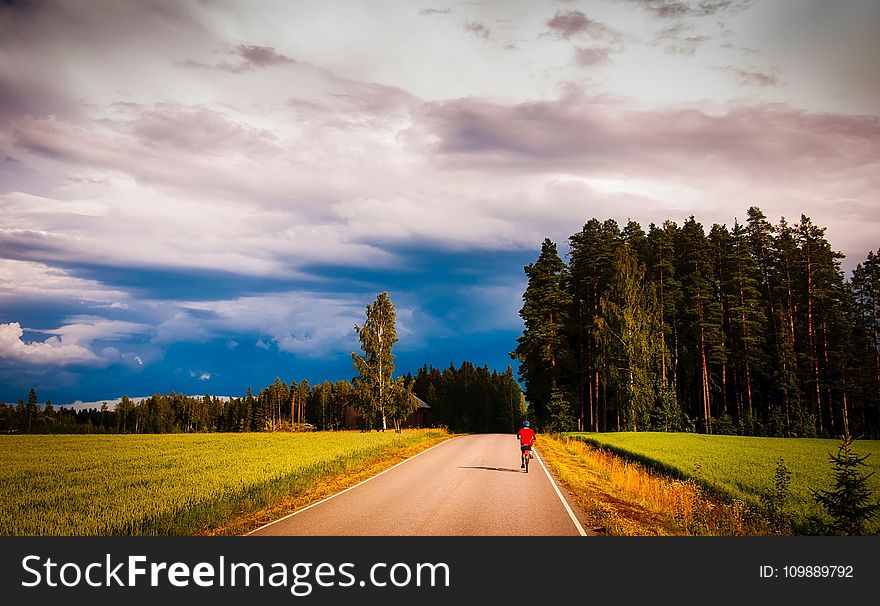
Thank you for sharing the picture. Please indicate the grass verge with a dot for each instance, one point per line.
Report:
(625, 498)
(739, 467)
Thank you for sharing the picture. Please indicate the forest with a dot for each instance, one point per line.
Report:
(278, 406)
(751, 329)
(468, 398)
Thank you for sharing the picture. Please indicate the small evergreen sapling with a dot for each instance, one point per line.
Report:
(850, 503)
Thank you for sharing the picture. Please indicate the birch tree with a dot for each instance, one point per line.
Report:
(375, 384)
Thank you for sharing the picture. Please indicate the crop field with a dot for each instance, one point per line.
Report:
(169, 483)
(740, 467)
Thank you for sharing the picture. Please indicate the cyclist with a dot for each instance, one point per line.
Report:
(526, 437)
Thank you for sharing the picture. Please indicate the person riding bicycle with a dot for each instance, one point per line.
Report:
(526, 437)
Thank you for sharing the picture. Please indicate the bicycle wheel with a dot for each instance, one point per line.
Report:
(527, 457)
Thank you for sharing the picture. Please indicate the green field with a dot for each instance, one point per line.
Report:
(170, 483)
(740, 466)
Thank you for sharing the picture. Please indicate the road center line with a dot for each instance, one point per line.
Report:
(580, 528)
(298, 511)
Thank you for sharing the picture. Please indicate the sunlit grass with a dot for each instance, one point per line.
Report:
(171, 483)
(740, 467)
(625, 498)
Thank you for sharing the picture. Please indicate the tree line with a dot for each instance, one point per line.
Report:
(752, 329)
(471, 399)
(468, 398)
(277, 407)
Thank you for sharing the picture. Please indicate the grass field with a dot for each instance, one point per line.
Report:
(740, 467)
(170, 483)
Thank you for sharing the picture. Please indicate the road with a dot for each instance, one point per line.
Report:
(469, 485)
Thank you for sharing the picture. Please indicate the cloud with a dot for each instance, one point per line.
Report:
(52, 351)
(28, 280)
(309, 324)
(675, 41)
(567, 24)
(35, 40)
(244, 58)
(686, 46)
(588, 57)
(201, 374)
(676, 9)
(751, 77)
(780, 158)
(262, 56)
(434, 11)
(71, 344)
(593, 137)
(477, 29)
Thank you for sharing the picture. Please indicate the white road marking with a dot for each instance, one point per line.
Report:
(580, 528)
(290, 515)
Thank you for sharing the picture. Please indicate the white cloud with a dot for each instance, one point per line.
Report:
(77, 342)
(304, 323)
(201, 374)
(26, 279)
(52, 351)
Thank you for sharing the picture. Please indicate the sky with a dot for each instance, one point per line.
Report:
(202, 195)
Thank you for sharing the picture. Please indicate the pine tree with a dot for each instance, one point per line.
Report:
(559, 414)
(701, 310)
(866, 293)
(542, 350)
(32, 408)
(720, 242)
(591, 260)
(660, 270)
(748, 321)
(789, 357)
(850, 503)
(827, 324)
(375, 382)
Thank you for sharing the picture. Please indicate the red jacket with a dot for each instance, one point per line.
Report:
(526, 435)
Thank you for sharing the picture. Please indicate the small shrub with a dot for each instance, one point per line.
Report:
(774, 499)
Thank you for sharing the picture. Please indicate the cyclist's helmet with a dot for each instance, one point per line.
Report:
(526, 423)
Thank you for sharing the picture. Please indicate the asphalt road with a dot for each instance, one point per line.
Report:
(470, 485)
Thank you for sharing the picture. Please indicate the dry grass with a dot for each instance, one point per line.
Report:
(624, 498)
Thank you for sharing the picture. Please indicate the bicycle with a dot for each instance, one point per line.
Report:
(526, 457)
